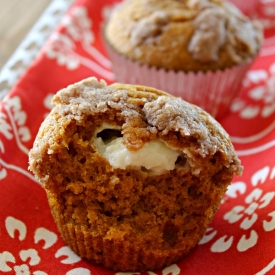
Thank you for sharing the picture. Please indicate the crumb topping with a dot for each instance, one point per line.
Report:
(148, 27)
(209, 35)
(216, 26)
(144, 114)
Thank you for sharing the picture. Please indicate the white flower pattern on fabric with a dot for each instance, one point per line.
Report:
(79, 28)
(234, 190)
(63, 46)
(245, 216)
(12, 126)
(266, 14)
(22, 270)
(263, 95)
(18, 119)
(12, 225)
(30, 257)
(63, 50)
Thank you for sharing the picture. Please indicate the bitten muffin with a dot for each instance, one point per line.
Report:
(203, 47)
(132, 174)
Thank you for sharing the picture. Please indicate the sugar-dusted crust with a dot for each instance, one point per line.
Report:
(126, 219)
(191, 35)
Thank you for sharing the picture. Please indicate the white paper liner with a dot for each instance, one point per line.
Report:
(212, 91)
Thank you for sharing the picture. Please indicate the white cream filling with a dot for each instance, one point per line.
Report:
(155, 155)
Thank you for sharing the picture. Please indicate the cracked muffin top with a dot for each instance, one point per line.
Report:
(129, 117)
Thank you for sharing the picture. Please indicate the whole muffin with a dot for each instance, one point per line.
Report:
(133, 175)
(203, 47)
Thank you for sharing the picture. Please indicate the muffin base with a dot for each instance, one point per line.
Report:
(118, 252)
(114, 254)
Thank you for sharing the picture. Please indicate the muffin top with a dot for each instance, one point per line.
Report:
(129, 118)
(188, 35)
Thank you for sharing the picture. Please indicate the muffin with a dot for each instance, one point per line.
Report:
(132, 174)
(199, 50)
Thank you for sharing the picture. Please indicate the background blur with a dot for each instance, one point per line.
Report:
(16, 19)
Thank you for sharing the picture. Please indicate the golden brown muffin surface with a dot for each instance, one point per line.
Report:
(130, 219)
(188, 35)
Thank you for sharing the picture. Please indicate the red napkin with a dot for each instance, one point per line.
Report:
(241, 238)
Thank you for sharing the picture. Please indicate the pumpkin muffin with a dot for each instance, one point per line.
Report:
(197, 49)
(132, 174)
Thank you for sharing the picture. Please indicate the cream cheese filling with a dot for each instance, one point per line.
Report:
(154, 156)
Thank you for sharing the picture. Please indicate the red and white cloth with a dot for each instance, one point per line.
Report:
(241, 238)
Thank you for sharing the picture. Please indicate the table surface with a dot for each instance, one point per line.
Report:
(17, 19)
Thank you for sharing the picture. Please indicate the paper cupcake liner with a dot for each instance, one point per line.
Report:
(118, 256)
(212, 91)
